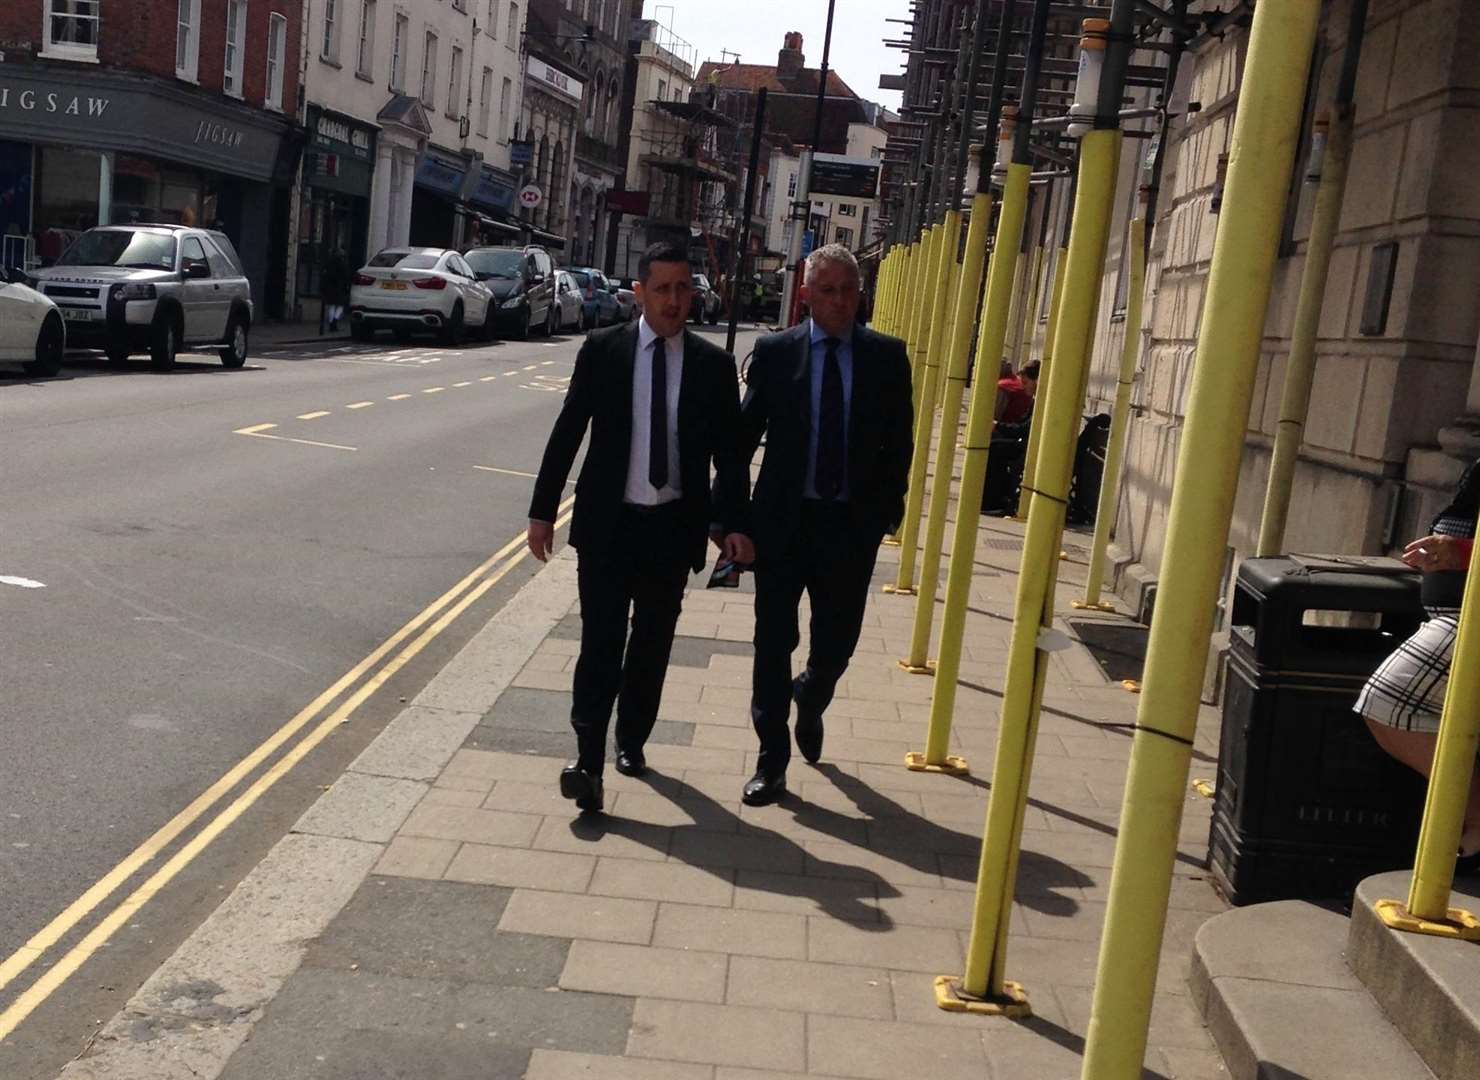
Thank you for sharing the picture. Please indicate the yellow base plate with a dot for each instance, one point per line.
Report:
(927, 668)
(889, 541)
(1130, 685)
(1206, 788)
(1457, 924)
(949, 996)
(900, 590)
(952, 766)
(1083, 605)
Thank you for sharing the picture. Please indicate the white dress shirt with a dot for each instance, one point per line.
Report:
(640, 490)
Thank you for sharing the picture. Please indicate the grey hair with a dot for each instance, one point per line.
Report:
(831, 253)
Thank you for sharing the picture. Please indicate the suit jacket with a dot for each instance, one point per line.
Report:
(778, 405)
(600, 397)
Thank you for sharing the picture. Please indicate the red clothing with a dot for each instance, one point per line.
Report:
(1018, 403)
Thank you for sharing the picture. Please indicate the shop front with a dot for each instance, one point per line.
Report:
(334, 213)
(492, 201)
(436, 210)
(110, 147)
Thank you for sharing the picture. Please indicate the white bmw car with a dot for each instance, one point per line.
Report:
(31, 329)
(426, 289)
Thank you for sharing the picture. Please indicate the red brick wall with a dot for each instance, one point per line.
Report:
(139, 35)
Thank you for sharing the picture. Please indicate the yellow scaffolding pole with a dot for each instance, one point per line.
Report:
(1035, 431)
(919, 256)
(968, 285)
(984, 979)
(1119, 420)
(1265, 132)
(932, 336)
(996, 301)
(1301, 368)
(945, 329)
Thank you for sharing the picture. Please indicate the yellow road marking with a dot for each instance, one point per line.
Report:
(79, 909)
(488, 378)
(254, 429)
(398, 397)
(507, 472)
(530, 367)
(313, 415)
(434, 389)
(360, 405)
(547, 363)
(462, 384)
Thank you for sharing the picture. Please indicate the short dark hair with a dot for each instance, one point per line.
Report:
(662, 251)
(1030, 370)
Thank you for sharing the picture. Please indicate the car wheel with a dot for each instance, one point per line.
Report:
(714, 316)
(521, 333)
(234, 355)
(401, 334)
(49, 345)
(551, 316)
(452, 329)
(489, 323)
(163, 342)
(358, 331)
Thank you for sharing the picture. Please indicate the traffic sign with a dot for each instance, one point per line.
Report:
(530, 196)
(809, 241)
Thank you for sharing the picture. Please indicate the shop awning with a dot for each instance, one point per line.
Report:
(545, 239)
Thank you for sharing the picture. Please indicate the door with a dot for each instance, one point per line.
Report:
(474, 292)
(201, 295)
(20, 322)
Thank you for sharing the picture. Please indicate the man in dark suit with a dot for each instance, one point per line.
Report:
(661, 404)
(833, 401)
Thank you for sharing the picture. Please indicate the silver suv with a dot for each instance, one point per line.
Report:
(152, 288)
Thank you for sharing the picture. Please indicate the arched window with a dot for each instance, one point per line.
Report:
(611, 107)
(593, 98)
(542, 163)
(557, 180)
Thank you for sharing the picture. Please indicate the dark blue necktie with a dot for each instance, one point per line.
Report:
(831, 452)
(658, 423)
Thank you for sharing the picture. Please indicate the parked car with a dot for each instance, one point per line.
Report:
(31, 328)
(404, 289)
(522, 280)
(568, 300)
(160, 288)
(601, 308)
(705, 306)
(628, 308)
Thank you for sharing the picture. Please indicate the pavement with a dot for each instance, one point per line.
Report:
(270, 334)
(442, 912)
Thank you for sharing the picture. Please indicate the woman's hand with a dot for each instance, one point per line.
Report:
(1436, 553)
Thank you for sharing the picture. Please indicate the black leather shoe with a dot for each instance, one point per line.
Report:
(808, 729)
(631, 762)
(763, 790)
(576, 783)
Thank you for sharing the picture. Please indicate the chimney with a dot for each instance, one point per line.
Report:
(790, 60)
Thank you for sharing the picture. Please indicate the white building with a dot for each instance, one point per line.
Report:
(409, 107)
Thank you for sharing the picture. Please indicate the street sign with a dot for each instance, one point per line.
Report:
(809, 240)
(521, 152)
(530, 196)
(834, 174)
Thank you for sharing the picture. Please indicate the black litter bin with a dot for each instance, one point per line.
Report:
(1306, 803)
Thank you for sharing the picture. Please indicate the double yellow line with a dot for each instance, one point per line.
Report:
(422, 629)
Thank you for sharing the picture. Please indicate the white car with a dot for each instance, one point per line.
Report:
(31, 329)
(568, 299)
(405, 289)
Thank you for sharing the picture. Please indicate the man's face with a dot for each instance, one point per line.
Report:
(833, 296)
(665, 296)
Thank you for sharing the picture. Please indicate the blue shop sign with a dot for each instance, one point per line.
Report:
(441, 173)
(494, 191)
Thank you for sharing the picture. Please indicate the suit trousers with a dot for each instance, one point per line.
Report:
(834, 563)
(640, 572)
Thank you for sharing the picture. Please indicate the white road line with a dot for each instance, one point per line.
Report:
(434, 389)
(284, 438)
(462, 384)
(488, 378)
(21, 582)
(507, 472)
(398, 397)
(546, 363)
(254, 429)
(360, 405)
(313, 415)
(530, 367)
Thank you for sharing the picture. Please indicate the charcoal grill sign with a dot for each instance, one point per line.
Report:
(850, 178)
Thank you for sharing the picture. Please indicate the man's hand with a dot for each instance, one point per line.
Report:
(738, 549)
(1435, 553)
(541, 539)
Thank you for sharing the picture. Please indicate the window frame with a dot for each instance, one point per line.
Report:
(187, 68)
(51, 49)
(365, 43)
(400, 35)
(329, 46)
(454, 82)
(504, 104)
(511, 42)
(235, 72)
(485, 101)
(277, 26)
(492, 20)
(429, 45)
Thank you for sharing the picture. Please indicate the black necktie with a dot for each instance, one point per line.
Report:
(658, 423)
(830, 443)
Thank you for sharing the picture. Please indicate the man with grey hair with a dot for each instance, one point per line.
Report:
(832, 400)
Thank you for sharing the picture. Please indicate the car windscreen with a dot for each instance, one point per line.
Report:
(500, 264)
(582, 279)
(405, 260)
(122, 247)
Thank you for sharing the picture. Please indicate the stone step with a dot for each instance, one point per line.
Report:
(1429, 986)
(1281, 1003)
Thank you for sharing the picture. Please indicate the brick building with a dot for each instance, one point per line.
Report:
(150, 110)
